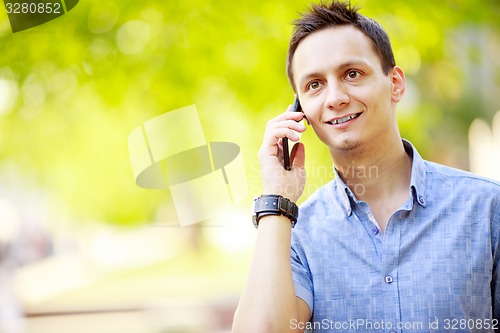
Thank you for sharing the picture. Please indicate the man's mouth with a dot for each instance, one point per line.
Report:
(342, 120)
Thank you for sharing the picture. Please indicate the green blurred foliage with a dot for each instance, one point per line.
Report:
(78, 85)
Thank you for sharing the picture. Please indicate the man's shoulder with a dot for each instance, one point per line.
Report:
(320, 196)
(316, 212)
(455, 184)
(440, 172)
(322, 206)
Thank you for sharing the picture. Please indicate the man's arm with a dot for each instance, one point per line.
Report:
(268, 302)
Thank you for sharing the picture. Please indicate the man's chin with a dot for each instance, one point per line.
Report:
(346, 145)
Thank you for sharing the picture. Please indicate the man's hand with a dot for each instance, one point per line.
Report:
(268, 302)
(275, 179)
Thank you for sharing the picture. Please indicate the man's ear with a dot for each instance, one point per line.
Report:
(398, 84)
(307, 120)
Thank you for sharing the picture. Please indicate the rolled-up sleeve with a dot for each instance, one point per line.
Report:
(301, 276)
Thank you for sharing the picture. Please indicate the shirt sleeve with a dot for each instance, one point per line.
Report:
(301, 276)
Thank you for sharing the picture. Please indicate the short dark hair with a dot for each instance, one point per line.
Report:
(338, 13)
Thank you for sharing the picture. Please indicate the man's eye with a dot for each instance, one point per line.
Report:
(353, 74)
(313, 85)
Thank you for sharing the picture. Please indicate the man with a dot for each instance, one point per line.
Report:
(392, 244)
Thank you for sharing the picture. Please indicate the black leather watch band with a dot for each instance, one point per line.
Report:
(271, 204)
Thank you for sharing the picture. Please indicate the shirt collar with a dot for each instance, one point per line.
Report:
(418, 174)
(417, 181)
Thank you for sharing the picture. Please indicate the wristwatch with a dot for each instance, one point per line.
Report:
(271, 204)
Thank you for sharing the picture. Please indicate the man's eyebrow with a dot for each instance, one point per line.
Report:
(340, 67)
(306, 77)
(354, 63)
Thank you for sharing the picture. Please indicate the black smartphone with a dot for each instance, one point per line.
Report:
(286, 154)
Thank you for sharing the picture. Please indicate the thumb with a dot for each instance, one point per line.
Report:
(297, 155)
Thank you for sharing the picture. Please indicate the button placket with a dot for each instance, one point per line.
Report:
(389, 270)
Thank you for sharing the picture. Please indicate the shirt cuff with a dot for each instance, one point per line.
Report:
(305, 294)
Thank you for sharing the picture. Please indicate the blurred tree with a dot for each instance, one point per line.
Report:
(73, 89)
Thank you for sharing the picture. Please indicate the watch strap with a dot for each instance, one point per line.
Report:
(271, 204)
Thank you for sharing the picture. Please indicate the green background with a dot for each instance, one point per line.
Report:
(73, 89)
(79, 84)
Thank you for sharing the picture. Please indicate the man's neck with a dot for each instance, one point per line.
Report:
(378, 176)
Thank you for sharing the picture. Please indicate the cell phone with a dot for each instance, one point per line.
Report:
(286, 154)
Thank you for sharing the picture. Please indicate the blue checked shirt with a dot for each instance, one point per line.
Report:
(435, 269)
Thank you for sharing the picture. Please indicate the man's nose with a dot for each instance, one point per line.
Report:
(336, 96)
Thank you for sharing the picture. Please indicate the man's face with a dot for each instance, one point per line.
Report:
(345, 95)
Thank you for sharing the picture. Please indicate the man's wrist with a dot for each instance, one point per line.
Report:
(273, 204)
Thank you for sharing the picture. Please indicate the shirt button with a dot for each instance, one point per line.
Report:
(421, 199)
(375, 230)
(388, 279)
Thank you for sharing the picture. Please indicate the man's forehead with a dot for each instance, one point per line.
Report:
(334, 46)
